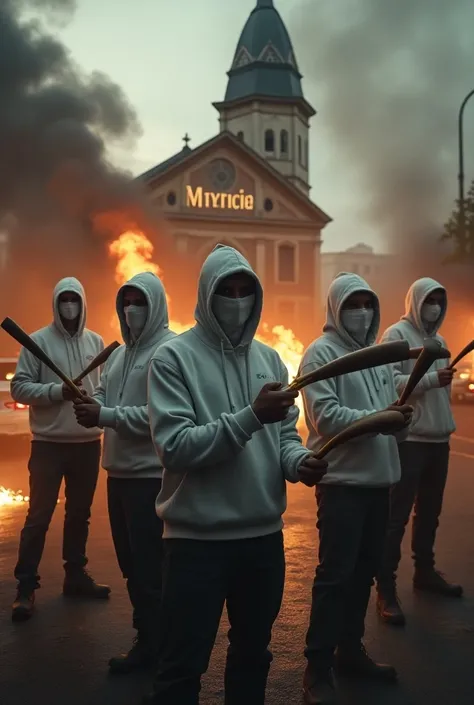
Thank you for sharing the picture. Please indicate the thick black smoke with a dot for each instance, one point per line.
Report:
(54, 173)
(387, 79)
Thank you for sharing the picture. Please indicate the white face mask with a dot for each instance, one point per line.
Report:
(357, 322)
(233, 314)
(135, 317)
(69, 310)
(430, 312)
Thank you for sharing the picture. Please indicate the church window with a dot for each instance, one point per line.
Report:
(306, 154)
(286, 263)
(284, 142)
(300, 150)
(269, 141)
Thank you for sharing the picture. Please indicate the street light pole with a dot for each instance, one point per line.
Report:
(462, 215)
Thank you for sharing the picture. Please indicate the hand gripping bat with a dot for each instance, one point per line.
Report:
(432, 350)
(25, 341)
(372, 356)
(97, 361)
(386, 421)
(465, 351)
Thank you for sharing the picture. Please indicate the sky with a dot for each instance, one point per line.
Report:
(171, 60)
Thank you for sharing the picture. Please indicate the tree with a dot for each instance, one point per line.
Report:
(461, 237)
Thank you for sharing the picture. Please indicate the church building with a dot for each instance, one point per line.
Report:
(248, 186)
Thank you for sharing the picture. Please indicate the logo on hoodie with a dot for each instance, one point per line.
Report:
(262, 375)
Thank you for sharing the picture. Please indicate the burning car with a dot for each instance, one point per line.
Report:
(14, 418)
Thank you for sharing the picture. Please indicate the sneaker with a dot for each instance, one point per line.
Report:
(433, 581)
(356, 663)
(81, 584)
(139, 657)
(318, 688)
(23, 607)
(388, 605)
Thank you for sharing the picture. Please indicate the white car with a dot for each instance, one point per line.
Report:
(14, 418)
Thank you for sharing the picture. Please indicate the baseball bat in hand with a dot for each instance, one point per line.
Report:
(379, 422)
(465, 351)
(27, 342)
(373, 356)
(97, 361)
(430, 352)
(444, 353)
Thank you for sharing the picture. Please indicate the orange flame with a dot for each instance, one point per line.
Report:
(134, 253)
(10, 498)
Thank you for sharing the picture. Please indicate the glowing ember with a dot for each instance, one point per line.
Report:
(10, 498)
(134, 253)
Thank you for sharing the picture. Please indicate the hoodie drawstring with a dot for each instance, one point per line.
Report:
(226, 379)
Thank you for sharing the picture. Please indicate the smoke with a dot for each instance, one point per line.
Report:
(388, 78)
(55, 175)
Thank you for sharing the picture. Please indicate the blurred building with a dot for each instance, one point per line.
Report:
(249, 185)
(359, 259)
(3, 251)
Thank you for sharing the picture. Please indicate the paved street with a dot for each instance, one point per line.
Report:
(60, 656)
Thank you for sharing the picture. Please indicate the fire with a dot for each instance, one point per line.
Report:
(134, 254)
(9, 498)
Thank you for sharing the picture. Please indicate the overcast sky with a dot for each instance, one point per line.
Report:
(171, 60)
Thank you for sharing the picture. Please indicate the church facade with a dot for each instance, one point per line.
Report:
(249, 185)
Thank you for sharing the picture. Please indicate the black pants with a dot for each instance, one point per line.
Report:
(352, 522)
(137, 535)
(199, 577)
(78, 464)
(424, 474)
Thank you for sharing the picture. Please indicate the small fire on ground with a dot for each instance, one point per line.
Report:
(9, 498)
(134, 254)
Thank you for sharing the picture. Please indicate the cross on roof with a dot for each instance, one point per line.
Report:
(186, 139)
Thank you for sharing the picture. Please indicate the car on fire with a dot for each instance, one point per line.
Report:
(14, 417)
(462, 388)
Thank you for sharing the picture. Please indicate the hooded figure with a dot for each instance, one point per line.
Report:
(120, 405)
(225, 465)
(424, 456)
(353, 497)
(61, 448)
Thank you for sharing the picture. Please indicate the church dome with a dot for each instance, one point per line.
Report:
(264, 62)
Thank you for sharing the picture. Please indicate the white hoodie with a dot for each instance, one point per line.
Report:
(433, 420)
(334, 404)
(34, 384)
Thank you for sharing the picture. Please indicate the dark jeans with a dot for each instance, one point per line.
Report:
(137, 535)
(424, 474)
(78, 464)
(199, 577)
(352, 522)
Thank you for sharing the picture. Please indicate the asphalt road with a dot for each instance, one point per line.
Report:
(61, 655)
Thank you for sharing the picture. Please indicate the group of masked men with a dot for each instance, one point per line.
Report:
(199, 439)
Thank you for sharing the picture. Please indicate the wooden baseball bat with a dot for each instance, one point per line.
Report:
(430, 353)
(97, 361)
(379, 422)
(444, 353)
(372, 356)
(25, 341)
(465, 351)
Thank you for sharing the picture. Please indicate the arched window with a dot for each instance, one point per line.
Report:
(286, 263)
(269, 141)
(240, 136)
(300, 151)
(284, 142)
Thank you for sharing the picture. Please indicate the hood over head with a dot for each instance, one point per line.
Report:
(157, 320)
(344, 285)
(73, 285)
(223, 262)
(414, 300)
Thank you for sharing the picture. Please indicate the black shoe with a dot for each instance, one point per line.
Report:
(432, 580)
(24, 605)
(356, 663)
(139, 657)
(318, 688)
(81, 584)
(388, 605)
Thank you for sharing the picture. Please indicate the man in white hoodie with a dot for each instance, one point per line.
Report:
(226, 435)
(119, 405)
(353, 497)
(424, 455)
(60, 448)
